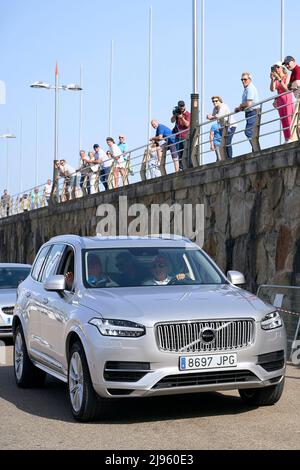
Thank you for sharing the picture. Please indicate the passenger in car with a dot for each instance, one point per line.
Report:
(95, 275)
(131, 272)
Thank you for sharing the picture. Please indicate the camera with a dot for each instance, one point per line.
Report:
(177, 111)
(273, 69)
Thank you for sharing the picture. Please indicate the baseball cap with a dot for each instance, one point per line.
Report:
(181, 104)
(287, 59)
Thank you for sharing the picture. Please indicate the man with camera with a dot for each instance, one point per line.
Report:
(182, 118)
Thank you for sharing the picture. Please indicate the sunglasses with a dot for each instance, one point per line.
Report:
(159, 265)
(244, 79)
(215, 101)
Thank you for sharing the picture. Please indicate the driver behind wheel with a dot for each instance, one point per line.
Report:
(160, 270)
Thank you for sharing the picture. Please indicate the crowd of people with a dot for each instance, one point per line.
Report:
(282, 82)
(222, 119)
(109, 167)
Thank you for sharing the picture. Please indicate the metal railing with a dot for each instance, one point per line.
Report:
(286, 299)
(142, 163)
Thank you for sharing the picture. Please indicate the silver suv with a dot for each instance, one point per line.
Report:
(135, 317)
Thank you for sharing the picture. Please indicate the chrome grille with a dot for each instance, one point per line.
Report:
(8, 310)
(186, 336)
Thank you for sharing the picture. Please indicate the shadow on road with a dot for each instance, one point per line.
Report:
(51, 402)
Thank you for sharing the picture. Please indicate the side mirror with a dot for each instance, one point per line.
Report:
(236, 278)
(55, 283)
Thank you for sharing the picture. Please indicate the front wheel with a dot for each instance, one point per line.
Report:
(26, 374)
(85, 404)
(262, 396)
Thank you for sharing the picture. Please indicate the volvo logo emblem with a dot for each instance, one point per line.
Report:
(208, 335)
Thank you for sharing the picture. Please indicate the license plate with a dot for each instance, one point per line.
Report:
(213, 361)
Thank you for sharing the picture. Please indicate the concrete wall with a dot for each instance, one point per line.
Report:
(252, 214)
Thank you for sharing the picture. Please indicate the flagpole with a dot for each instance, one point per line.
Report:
(21, 156)
(80, 107)
(36, 144)
(110, 88)
(150, 75)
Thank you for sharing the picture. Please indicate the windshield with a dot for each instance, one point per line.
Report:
(10, 278)
(148, 266)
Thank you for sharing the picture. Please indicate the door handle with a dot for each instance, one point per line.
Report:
(28, 294)
(45, 300)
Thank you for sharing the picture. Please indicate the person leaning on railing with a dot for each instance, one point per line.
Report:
(163, 133)
(47, 191)
(250, 96)
(5, 203)
(118, 161)
(284, 104)
(105, 162)
(291, 65)
(93, 171)
(221, 109)
(69, 174)
(84, 170)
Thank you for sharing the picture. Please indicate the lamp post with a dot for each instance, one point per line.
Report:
(56, 88)
(7, 136)
(195, 95)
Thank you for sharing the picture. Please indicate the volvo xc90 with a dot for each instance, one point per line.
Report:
(134, 317)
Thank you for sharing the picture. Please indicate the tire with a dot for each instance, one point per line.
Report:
(26, 374)
(85, 403)
(262, 396)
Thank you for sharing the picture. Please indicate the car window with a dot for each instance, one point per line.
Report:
(66, 267)
(148, 266)
(52, 262)
(10, 277)
(39, 262)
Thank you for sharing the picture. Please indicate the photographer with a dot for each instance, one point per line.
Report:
(182, 118)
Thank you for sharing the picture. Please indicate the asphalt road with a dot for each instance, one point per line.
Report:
(41, 419)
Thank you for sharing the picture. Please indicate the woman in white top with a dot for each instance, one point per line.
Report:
(153, 162)
(118, 160)
(221, 109)
(94, 167)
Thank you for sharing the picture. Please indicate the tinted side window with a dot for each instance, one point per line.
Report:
(39, 262)
(52, 262)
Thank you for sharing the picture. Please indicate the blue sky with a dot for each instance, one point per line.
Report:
(33, 35)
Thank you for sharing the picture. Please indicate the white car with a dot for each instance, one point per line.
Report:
(11, 274)
(134, 317)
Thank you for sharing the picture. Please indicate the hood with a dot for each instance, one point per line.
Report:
(152, 304)
(8, 297)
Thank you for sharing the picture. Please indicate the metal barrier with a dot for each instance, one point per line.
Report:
(141, 165)
(287, 301)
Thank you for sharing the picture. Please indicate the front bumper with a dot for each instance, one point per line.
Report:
(163, 376)
(5, 329)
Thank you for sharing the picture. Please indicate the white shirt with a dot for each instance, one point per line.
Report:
(116, 152)
(105, 161)
(155, 282)
(68, 170)
(224, 109)
(47, 189)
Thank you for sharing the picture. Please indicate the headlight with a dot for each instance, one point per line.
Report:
(108, 327)
(271, 321)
